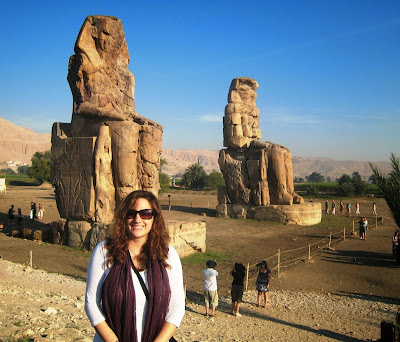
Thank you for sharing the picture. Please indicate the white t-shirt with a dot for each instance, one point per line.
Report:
(97, 273)
(210, 279)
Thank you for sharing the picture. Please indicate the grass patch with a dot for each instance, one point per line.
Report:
(78, 250)
(72, 326)
(202, 258)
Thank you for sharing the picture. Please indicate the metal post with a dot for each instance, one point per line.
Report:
(30, 258)
(309, 251)
(330, 239)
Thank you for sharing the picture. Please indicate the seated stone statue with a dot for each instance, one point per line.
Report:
(255, 173)
(122, 148)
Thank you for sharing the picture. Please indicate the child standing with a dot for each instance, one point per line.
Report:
(210, 287)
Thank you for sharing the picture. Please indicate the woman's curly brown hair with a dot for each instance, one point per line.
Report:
(156, 246)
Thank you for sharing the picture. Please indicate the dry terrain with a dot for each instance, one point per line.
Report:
(340, 295)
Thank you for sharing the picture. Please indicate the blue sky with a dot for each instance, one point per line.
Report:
(328, 71)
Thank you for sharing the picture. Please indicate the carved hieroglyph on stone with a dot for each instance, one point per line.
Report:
(108, 150)
(256, 173)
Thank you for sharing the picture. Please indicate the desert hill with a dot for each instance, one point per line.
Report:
(179, 160)
(19, 144)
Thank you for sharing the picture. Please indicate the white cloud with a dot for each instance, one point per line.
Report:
(211, 118)
(288, 116)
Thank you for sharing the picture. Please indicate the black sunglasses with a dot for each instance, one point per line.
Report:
(145, 214)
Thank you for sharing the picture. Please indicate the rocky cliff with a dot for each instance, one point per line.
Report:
(19, 143)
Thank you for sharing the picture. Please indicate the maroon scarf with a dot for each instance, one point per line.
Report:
(118, 300)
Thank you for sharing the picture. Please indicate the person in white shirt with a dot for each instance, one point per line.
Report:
(134, 286)
(210, 288)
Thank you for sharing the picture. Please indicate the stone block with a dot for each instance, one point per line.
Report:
(27, 233)
(59, 232)
(237, 130)
(72, 177)
(78, 234)
(229, 108)
(223, 195)
(41, 235)
(247, 131)
(234, 96)
(244, 119)
(222, 210)
(227, 119)
(98, 233)
(187, 237)
(236, 119)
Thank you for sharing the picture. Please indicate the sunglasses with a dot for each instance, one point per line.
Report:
(145, 214)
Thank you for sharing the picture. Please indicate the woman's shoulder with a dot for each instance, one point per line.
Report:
(172, 253)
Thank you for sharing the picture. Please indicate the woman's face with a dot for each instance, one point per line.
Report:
(136, 226)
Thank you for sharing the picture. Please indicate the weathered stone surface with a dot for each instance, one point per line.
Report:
(78, 234)
(108, 150)
(59, 232)
(98, 233)
(72, 175)
(187, 237)
(41, 235)
(256, 173)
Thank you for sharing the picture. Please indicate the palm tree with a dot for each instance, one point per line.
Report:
(390, 186)
(194, 177)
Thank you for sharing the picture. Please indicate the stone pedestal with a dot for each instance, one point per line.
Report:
(305, 214)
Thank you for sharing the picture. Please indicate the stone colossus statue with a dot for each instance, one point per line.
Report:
(256, 173)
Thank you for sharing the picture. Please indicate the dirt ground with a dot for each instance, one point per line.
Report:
(352, 267)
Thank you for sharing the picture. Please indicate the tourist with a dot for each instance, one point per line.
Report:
(238, 274)
(341, 207)
(19, 217)
(395, 243)
(31, 214)
(363, 228)
(11, 217)
(210, 288)
(357, 208)
(263, 282)
(41, 211)
(327, 206)
(134, 286)
(374, 209)
(348, 206)
(333, 211)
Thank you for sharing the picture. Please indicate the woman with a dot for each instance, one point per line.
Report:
(263, 280)
(120, 305)
(395, 243)
(238, 274)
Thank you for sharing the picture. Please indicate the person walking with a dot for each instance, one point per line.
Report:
(333, 211)
(348, 206)
(11, 215)
(134, 288)
(327, 206)
(357, 208)
(41, 211)
(238, 274)
(210, 288)
(263, 282)
(374, 209)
